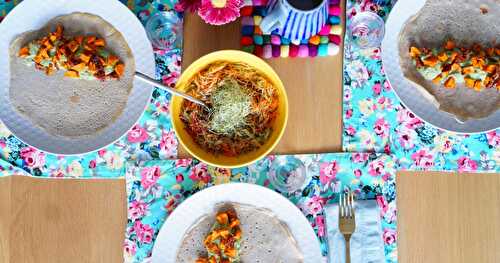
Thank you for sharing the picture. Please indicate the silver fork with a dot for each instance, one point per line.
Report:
(347, 224)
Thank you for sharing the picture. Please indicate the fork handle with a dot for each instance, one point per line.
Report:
(347, 238)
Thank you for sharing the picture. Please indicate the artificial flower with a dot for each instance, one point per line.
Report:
(219, 12)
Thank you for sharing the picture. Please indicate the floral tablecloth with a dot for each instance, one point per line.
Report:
(375, 120)
(155, 188)
(151, 138)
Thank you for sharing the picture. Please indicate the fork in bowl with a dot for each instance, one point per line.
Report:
(347, 224)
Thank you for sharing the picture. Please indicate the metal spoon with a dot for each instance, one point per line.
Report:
(158, 84)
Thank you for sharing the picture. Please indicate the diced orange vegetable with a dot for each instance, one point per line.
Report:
(414, 52)
(23, 52)
(59, 31)
(430, 61)
(449, 45)
(477, 85)
(119, 69)
(112, 60)
(43, 53)
(490, 68)
(79, 67)
(92, 67)
(469, 83)
(497, 51)
(71, 74)
(79, 39)
(487, 81)
(468, 70)
(234, 223)
(201, 260)
(90, 39)
(85, 58)
(222, 218)
(437, 79)
(99, 42)
(456, 67)
(477, 62)
(230, 252)
(73, 45)
(450, 83)
(89, 47)
(443, 57)
(38, 59)
(224, 233)
(212, 260)
(50, 70)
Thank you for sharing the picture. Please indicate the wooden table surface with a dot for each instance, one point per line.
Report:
(442, 217)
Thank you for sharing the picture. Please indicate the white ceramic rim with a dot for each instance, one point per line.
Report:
(188, 212)
(33, 14)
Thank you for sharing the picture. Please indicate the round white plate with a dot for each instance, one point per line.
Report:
(32, 15)
(188, 212)
(410, 96)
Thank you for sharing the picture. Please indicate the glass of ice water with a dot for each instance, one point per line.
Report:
(164, 30)
(367, 30)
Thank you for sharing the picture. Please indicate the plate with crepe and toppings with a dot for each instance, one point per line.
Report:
(443, 64)
(236, 223)
(68, 84)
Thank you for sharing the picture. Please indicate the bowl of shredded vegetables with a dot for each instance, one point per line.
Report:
(247, 109)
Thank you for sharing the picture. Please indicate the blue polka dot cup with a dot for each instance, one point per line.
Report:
(295, 19)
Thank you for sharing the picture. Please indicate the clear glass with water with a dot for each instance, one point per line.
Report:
(164, 30)
(287, 174)
(367, 30)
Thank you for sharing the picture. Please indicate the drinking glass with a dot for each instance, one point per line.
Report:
(367, 30)
(287, 174)
(164, 30)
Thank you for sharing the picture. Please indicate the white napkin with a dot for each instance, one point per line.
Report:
(367, 245)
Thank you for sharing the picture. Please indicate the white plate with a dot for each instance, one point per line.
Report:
(410, 96)
(188, 212)
(32, 15)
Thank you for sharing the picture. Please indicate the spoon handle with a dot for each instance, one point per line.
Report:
(158, 84)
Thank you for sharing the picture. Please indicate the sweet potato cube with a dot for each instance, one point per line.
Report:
(79, 67)
(449, 45)
(468, 70)
(222, 218)
(477, 85)
(456, 67)
(234, 223)
(84, 57)
(443, 57)
(414, 52)
(230, 252)
(90, 39)
(73, 46)
(112, 60)
(120, 69)
(99, 42)
(71, 74)
(450, 83)
(430, 61)
(79, 39)
(23, 52)
(469, 83)
(490, 68)
(437, 79)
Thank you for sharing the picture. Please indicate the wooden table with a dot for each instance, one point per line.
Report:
(442, 217)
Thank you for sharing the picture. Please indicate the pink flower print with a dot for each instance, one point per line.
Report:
(189, 5)
(101, 152)
(387, 86)
(32, 157)
(360, 157)
(183, 162)
(92, 164)
(348, 113)
(171, 79)
(382, 203)
(358, 173)
(409, 119)
(320, 224)
(493, 138)
(137, 134)
(199, 173)
(149, 176)
(327, 172)
(137, 209)
(168, 143)
(376, 168)
(377, 88)
(406, 138)
(423, 159)
(350, 131)
(179, 178)
(57, 173)
(381, 128)
(314, 205)
(376, 54)
(466, 164)
(130, 248)
(144, 232)
(389, 236)
(347, 95)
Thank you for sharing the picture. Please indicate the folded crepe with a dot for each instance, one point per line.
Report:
(467, 22)
(264, 237)
(67, 107)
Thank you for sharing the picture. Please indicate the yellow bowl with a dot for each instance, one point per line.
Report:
(220, 160)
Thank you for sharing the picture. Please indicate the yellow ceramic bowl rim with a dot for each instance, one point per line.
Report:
(231, 56)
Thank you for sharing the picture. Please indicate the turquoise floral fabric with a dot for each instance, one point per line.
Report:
(375, 120)
(156, 188)
(151, 138)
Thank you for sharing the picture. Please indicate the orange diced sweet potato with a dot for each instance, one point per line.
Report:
(490, 68)
(23, 52)
(414, 52)
(450, 83)
(222, 218)
(90, 39)
(469, 83)
(112, 60)
(437, 79)
(120, 69)
(79, 67)
(73, 46)
(487, 81)
(468, 70)
(477, 85)
(84, 57)
(443, 57)
(79, 39)
(99, 42)
(430, 61)
(456, 67)
(449, 44)
(71, 74)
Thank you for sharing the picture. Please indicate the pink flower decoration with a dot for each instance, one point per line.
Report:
(406, 138)
(200, 173)
(189, 5)
(327, 172)
(360, 157)
(183, 162)
(92, 164)
(377, 88)
(149, 176)
(376, 168)
(466, 164)
(389, 236)
(381, 128)
(137, 134)
(32, 157)
(423, 159)
(130, 248)
(320, 223)
(350, 131)
(168, 143)
(358, 173)
(314, 205)
(137, 209)
(144, 232)
(219, 12)
(408, 118)
(382, 203)
(493, 138)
